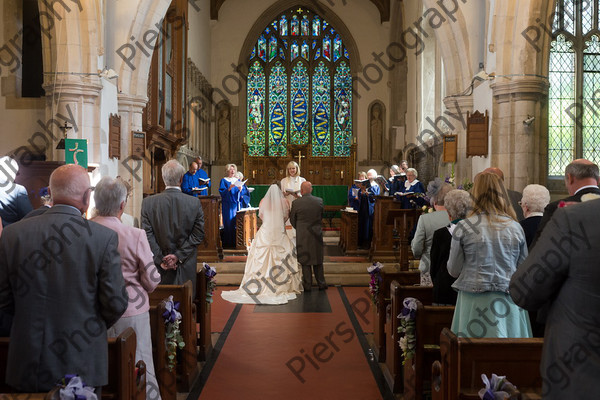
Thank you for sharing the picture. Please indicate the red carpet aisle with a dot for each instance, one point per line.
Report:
(314, 347)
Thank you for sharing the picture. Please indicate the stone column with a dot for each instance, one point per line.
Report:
(518, 148)
(130, 110)
(76, 102)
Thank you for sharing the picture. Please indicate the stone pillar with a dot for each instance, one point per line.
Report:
(130, 110)
(518, 148)
(76, 102)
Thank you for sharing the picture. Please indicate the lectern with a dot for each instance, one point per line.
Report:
(210, 249)
(403, 222)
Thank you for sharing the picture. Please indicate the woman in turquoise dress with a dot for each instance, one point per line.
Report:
(486, 249)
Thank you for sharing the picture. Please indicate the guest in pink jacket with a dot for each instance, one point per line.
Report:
(139, 272)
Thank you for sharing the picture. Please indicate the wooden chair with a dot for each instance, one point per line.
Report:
(187, 366)
(458, 374)
(383, 300)
(393, 369)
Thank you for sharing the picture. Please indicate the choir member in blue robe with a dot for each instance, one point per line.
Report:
(412, 185)
(244, 201)
(366, 208)
(230, 195)
(189, 181)
(201, 174)
(352, 198)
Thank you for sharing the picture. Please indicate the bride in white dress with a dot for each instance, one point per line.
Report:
(272, 274)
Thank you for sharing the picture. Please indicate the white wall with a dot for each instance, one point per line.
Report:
(199, 35)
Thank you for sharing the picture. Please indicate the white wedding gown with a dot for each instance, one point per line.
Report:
(272, 274)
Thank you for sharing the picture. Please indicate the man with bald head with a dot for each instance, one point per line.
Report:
(581, 177)
(190, 181)
(514, 196)
(61, 279)
(306, 217)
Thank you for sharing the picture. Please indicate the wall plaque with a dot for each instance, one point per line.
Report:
(450, 148)
(138, 145)
(477, 134)
(114, 136)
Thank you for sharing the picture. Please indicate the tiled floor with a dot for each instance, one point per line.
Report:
(314, 347)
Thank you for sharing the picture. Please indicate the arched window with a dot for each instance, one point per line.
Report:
(299, 88)
(574, 94)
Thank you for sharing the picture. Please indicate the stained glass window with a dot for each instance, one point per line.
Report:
(299, 88)
(300, 96)
(256, 109)
(574, 93)
(277, 111)
(343, 123)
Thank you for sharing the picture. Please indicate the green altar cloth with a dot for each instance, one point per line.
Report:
(332, 195)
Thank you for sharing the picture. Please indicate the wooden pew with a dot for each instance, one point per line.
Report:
(463, 360)
(167, 380)
(393, 370)
(123, 381)
(383, 299)
(187, 365)
(430, 321)
(203, 317)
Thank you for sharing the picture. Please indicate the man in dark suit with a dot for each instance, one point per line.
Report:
(581, 177)
(306, 217)
(174, 224)
(563, 269)
(14, 201)
(61, 279)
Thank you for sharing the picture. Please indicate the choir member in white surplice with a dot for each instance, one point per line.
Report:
(290, 186)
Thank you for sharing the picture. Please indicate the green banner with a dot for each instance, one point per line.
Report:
(76, 152)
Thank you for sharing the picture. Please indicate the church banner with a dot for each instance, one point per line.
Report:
(76, 152)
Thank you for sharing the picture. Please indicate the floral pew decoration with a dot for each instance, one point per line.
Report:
(406, 329)
(211, 282)
(498, 388)
(376, 279)
(72, 387)
(174, 339)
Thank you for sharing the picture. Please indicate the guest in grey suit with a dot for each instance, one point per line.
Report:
(562, 268)
(61, 279)
(306, 216)
(174, 224)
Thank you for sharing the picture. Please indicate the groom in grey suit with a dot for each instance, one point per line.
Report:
(61, 279)
(174, 224)
(305, 217)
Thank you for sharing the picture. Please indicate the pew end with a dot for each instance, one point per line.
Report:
(463, 360)
(405, 278)
(187, 367)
